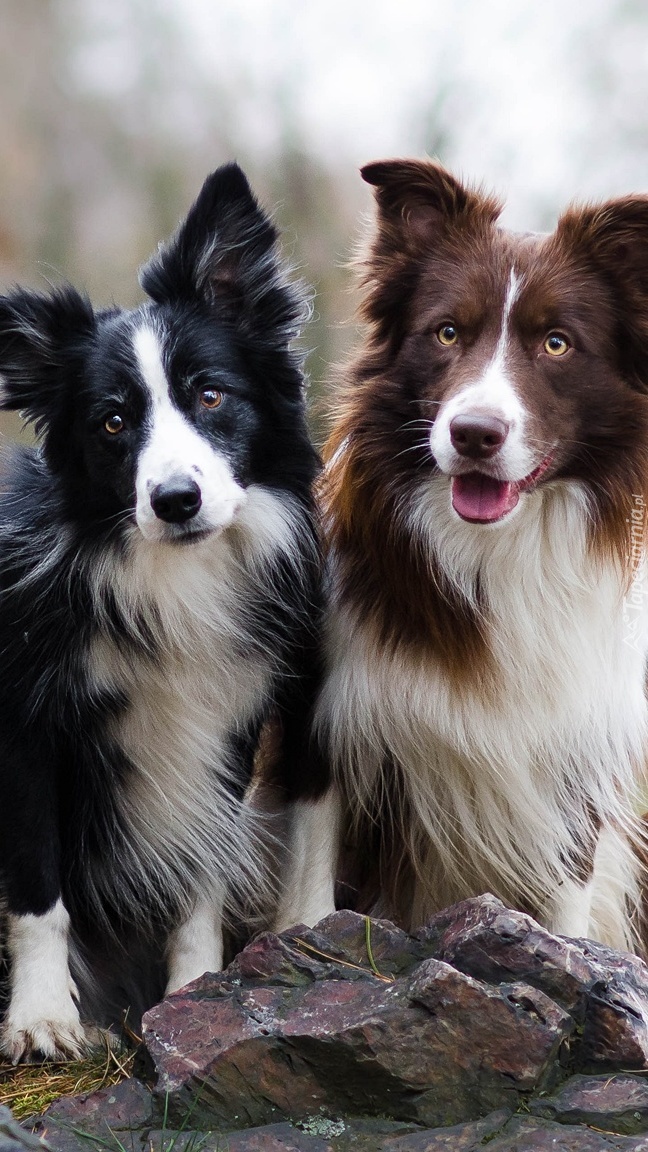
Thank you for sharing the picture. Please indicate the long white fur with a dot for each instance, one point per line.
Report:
(308, 892)
(184, 828)
(42, 1015)
(196, 945)
(503, 776)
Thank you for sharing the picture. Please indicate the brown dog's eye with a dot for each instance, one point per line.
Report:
(447, 334)
(210, 398)
(556, 344)
(114, 424)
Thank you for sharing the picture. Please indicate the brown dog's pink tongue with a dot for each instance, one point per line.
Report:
(481, 498)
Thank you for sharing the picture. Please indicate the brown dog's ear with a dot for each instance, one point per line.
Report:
(613, 237)
(418, 202)
(415, 197)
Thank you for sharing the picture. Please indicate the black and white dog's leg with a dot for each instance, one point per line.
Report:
(42, 1019)
(196, 945)
(313, 809)
(308, 884)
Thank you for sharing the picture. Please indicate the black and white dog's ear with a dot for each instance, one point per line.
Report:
(41, 338)
(225, 254)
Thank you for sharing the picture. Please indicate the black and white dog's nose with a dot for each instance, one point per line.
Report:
(177, 500)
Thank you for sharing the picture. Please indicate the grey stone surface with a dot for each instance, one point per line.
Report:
(13, 1137)
(117, 1115)
(528, 1134)
(617, 1102)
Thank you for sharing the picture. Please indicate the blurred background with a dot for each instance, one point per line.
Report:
(113, 111)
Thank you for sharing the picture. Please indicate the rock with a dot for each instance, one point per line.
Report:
(300, 1023)
(315, 1134)
(392, 949)
(476, 1134)
(125, 1108)
(14, 1138)
(269, 1138)
(491, 942)
(528, 1134)
(516, 1027)
(605, 991)
(615, 1030)
(480, 1030)
(337, 947)
(617, 1103)
(318, 1134)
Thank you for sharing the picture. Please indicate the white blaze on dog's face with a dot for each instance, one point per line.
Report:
(489, 396)
(480, 436)
(184, 487)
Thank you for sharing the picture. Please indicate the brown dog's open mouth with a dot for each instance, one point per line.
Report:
(481, 499)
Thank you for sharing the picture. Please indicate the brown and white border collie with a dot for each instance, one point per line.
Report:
(486, 500)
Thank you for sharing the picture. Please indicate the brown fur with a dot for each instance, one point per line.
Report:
(437, 253)
(428, 228)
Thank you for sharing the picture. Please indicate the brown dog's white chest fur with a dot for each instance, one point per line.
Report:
(502, 774)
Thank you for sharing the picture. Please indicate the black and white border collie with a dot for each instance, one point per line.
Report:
(486, 501)
(159, 599)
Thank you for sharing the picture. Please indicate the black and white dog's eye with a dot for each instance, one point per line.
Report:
(114, 424)
(210, 398)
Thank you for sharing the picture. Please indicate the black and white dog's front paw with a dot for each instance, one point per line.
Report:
(35, 1031)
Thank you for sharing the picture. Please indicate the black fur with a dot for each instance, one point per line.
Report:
(225, 316)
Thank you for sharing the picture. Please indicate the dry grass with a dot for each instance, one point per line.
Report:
(29, 1088)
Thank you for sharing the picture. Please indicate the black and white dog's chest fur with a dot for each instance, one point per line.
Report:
(159, 596)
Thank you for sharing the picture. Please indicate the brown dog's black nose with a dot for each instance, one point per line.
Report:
(478, 436)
